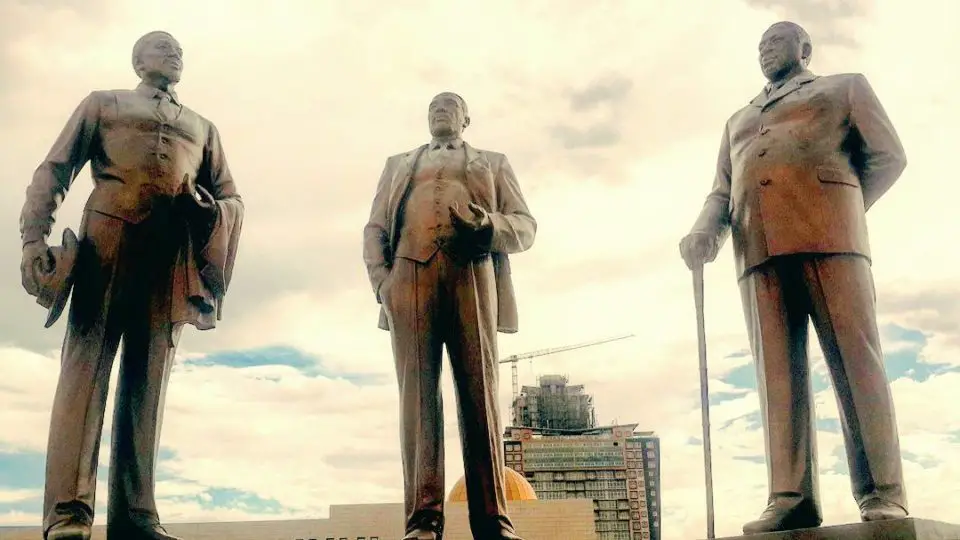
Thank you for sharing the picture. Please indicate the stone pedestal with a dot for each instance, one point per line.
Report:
(895, 529)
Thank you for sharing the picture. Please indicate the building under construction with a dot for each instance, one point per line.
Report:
(554, 404)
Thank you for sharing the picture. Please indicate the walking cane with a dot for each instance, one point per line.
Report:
(704, 393)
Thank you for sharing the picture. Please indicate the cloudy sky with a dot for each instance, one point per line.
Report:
(610, 112)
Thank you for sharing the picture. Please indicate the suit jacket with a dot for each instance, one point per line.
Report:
(138, 161)
(204, 268)
(136, 157)
(492, 185)
(798, 169)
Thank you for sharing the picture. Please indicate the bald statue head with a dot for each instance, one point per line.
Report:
(447, 115)
(158, 58)
(785, 49)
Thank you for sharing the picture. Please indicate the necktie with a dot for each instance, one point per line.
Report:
(165, 108)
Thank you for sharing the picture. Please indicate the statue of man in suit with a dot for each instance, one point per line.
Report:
(444, 219)
(798, 168)
(156, 250)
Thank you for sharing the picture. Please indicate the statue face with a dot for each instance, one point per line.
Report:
(780, 51)
(446, 116)
(162, 56)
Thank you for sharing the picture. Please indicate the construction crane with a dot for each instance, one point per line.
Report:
(514, 358)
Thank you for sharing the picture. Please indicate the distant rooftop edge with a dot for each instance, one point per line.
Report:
(585, 431)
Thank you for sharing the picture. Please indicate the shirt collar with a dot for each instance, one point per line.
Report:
(452, 144)
(152, 92)
(773, 87)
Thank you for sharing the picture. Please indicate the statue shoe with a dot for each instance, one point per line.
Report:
(779, 517)
(428, 525)
(876, 509)
(71, 529)
(506, 534)
(139, 532)
(498, 528)
(423, 534)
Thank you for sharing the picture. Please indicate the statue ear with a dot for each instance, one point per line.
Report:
(466, 122)
(806, 51)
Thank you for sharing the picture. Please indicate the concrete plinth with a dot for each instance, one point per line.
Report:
(895, 529)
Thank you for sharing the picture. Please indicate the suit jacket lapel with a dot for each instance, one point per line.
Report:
(481, 177)
(794, 84)
(401, 176)
(401, 180)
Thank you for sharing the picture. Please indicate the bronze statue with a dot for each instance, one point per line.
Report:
(798, 169)
(444, 219)
(156, 251)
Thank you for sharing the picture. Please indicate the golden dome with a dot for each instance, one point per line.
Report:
(515, 485)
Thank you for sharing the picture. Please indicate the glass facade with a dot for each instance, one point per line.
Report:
(616, 467)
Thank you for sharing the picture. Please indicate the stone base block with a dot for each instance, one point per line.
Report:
(894, 529)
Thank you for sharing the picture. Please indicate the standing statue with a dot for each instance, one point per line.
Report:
(798, 169)
(156, 251)
(444, 218)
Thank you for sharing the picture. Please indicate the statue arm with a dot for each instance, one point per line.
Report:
(56, 173)
(376, 237)
(214, 173)
(220, 244)
(879, 156)
(514, 228)
(714, 218)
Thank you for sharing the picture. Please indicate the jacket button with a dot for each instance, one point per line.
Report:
(765, 182)
(762, 152)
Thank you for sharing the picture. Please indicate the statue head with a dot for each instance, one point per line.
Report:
(785, 48)
(158, 58)
(447, 115)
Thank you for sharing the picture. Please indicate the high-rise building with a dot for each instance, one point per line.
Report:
(554, 404)
(615, 466)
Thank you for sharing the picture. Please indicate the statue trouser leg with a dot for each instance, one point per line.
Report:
(89, 347)
(410, 302)
(777, 324)
(472, 347)
(837, 293)
(844, 313)
(109, 280)
(146, 359)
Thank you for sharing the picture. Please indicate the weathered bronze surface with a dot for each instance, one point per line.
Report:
(157, 245)
(443, 221)
(797, 170)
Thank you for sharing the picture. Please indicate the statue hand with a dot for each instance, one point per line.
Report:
(196, 202)
(479, 220)
(698, 249)
(473, 233)
(35, 258)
